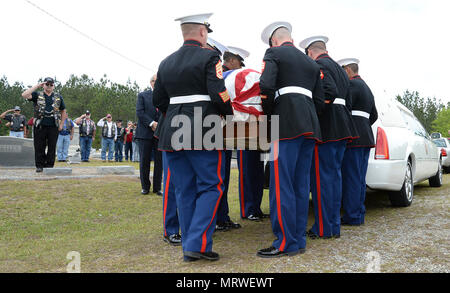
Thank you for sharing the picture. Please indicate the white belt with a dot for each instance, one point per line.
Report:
(189, 99)
(339, 102)
(361, 114)
(293, 90)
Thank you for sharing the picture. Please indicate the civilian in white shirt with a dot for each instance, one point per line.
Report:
(109, 136)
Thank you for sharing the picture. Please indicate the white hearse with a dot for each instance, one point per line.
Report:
(404, 154)
(444, 145)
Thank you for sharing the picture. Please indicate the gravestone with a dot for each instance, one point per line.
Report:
(16, 152)
(57, 171)
(116, 170)
(75, 158)
(75, 142)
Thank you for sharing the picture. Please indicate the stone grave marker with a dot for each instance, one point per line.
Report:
(16, 152)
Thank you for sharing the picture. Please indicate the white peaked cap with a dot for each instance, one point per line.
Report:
(271, 28)
(308, 41)
(347, 61)
(197, 18)
(216, 44)
(238, 51)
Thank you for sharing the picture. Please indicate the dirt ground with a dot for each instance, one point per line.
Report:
(115, 229)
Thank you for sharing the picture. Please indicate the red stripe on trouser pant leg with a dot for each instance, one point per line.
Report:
(219, 167)
(277, 194)
(166, 197)
(319, 203)
(241, 180)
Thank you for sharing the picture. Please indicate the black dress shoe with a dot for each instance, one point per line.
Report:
(39, 170)
(232, 225)
(221, 227)
(189, 259)
(174, 239)
(158, 193)
(211, 255)
(253, 218)
(144, 191)
(264, 216)
(272, 252)
(313, 235)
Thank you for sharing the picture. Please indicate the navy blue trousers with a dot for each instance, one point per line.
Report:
(198, 177)
(326, 187)
(171, 224)
(222, 213)
(289, 192)
(118, 150)
(251, 182)
(354, 170)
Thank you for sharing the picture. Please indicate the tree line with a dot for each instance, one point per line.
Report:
(80, 93)
(102, 97)
(431, 112)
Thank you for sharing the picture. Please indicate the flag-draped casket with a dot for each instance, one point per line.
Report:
(243, 87)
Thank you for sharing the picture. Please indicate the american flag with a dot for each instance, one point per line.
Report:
(243, 88)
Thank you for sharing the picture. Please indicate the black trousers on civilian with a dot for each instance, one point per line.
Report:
(157, 167)
(129, 150)
(45, 137)
(145, 150)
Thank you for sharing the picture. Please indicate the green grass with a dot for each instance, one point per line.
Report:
(116, 229)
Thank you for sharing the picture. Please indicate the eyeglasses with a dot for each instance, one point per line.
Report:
(49, 84)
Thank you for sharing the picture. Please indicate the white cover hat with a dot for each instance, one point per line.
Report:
(197, 18)
(347, 61)
(215, 44)
(308, 41)
(238, 51)
(271, 28)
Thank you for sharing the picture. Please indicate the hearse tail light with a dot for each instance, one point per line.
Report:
(382, 147)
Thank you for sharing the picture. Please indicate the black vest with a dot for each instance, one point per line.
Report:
(105, 130)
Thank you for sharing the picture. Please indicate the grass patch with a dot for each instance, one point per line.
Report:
(116, 229)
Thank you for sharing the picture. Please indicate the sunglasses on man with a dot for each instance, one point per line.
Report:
(49, 84)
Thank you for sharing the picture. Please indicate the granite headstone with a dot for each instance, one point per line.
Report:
(16, 152)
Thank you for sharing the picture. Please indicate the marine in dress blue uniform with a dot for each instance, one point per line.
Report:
(337, 128)
(189, 81)
(356, 157)
(171, 224)
(224, 222)
(290, 88)
(251, 168)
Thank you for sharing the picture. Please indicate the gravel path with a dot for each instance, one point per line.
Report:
(78, 172)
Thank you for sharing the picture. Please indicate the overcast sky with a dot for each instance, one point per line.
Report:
(402, 44)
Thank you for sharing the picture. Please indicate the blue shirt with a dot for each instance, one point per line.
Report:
(65, 130)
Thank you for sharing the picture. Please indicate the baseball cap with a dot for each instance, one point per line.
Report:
(88, 112)
(16, 108)
(49, 79)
